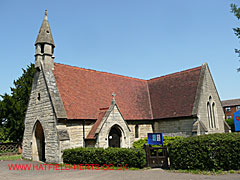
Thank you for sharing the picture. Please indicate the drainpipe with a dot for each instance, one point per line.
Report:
(84, 133)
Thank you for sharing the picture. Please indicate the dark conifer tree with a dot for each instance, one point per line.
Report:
(13, 107)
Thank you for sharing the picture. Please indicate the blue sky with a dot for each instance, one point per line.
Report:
(136, 38)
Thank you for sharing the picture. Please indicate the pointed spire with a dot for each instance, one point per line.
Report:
(45, 35)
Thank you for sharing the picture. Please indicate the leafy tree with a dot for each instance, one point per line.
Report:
(13, 107)
(231, 124)
(236, 11)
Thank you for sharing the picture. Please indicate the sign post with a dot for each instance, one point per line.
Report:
(236, 116)
(155, 138)
(156, 156)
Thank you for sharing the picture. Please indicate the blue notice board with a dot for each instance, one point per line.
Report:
(155, 138)
(236, 116)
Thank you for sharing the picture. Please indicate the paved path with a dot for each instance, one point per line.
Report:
(160, 174)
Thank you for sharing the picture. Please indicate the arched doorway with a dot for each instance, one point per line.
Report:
(38, 143)
(114, 137)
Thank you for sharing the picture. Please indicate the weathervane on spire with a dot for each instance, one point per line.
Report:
(45, 12)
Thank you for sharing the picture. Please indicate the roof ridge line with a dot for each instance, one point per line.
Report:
(103, 72)
(150, 102)
(176, 73)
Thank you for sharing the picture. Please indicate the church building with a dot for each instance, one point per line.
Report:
(75, 107)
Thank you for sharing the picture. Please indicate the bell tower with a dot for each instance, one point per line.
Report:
(44, 52)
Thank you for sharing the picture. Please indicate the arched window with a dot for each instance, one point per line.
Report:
(209, 114)
(39, 97)
(213, 115)
(42, 48)
(136, 131)
(52, 49)
(211, 110)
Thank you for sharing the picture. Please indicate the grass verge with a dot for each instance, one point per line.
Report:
(218, 172)
(11, 157)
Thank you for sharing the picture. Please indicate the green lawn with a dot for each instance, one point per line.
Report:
(11, 157)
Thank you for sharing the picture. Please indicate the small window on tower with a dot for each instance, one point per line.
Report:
(136, 131)
(42, 48)
(47, 31)
(39, 97)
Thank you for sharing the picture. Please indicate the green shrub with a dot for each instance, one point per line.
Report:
(132, 157)
(231, 124)
(166, 140)
(140, 143)
(206, 152)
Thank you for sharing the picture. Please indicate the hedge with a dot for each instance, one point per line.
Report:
(206, 152)
(117, 156)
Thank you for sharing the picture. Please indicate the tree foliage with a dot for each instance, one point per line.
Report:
(13, 107)
(236, 11)
(231, 124)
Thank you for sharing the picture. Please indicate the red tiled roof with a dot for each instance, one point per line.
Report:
(83, 91)
(174, 95)
(91, 134)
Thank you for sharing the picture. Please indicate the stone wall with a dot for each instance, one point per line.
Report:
(144, 127)
(75, 131)
(207, 90)
(40, 108)
(184, 126)
(174, 127)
